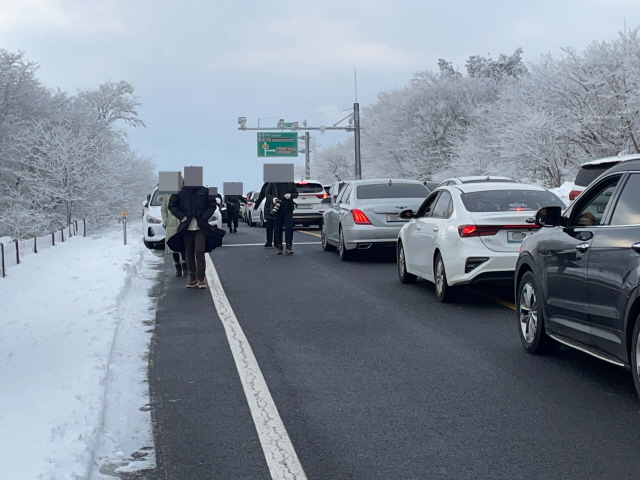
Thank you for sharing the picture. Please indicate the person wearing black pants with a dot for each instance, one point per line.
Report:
(268, 219)
(233, 211)
(282, 194)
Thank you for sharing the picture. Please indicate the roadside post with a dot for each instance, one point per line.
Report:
(124, 226)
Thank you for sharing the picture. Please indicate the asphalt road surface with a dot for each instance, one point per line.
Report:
(373, 379)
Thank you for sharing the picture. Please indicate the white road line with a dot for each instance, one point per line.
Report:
(278, 450)
(262, 244)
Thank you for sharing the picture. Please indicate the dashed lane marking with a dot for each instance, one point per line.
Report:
(311, 233)
(262, 244)
(281, 457)
(493, 298)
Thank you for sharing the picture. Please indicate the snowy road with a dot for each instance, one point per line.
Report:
(374, 379)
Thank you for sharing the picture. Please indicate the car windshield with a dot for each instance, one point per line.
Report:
(309, 188)
(509, 200)
(395, 190)
(154, 200)
(589, 173)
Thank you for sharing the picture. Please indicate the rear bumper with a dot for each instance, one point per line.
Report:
(357, 235)
(307, 217)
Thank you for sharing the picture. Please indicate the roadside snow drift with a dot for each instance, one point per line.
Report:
(75, 324)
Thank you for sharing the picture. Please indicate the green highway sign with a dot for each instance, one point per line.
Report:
(275, 144)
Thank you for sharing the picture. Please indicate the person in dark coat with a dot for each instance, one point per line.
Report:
(233, 211)
(268, 219)
(282, 193)
(195, 236)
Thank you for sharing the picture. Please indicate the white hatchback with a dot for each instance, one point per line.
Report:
(152, 230)
(464, 234)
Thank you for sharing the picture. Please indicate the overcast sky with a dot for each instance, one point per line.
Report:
(198, 65)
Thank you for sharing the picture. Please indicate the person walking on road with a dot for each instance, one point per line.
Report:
(233, 211)
(268, 219)
(195, 236)
(281, 195)
(170, 224)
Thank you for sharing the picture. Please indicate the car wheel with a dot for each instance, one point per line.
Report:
(250, 221)
(635, 355)
(444, 293)
(531, 318)
(405, 277)
(344, 254)
(326, 246)
(149, 245)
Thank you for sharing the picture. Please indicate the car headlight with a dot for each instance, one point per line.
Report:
(151, 219)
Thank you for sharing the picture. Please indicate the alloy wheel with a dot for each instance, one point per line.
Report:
(439, 277)
(528, 312)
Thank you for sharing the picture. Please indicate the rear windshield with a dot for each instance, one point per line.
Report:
(395, 190)
(589, 173)
(509, 200)
(309, 188)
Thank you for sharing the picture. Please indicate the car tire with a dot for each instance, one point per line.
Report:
(344, 254)
(531, 327)
(149, 245)
(250, 221)
(405, 277)
(444, 292)
(635, 352)
(326, 246)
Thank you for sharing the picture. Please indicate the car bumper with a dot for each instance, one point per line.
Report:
(299, 217)
(499, 266)
(368, 236)
(154, 233)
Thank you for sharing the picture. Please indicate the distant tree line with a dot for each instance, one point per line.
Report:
(536, 123)
(63, 156)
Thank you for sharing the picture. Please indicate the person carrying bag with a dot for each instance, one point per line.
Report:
(279, 201)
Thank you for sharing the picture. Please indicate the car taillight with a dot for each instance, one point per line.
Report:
(477, 230)
(359, 218)
(249, 204)
(573, 194)
(322, 196)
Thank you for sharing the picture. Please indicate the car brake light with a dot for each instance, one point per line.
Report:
(573, 194)
(249, 204)
(322, 196)
(359, 218)
(477, 230)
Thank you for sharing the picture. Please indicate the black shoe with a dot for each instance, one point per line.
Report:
(279, 247)
(185, 269)
(178, 270)
(268, 245)
(289, 250)
(230, 231)
(235, 230)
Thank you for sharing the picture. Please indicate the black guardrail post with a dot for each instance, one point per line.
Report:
(2, 257)
(35, 244)
(17, 251)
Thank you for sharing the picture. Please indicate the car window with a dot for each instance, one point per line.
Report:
(155, 202)
(305, 187)
(425, 208)
(627, 211)
(344, 193)
(590, 210)
(506, 200)
(441, 209)
(589, 173)
(392, 190)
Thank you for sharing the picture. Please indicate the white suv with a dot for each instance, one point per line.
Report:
(152, 230)
(309, 201)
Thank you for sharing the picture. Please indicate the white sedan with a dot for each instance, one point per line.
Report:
(464, 234)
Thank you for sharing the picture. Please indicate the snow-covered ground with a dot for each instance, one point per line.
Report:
(75, 326)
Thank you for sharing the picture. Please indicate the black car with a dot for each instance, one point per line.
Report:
(577, 279)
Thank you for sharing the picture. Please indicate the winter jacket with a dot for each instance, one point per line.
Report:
(279, 190)
(169, 220)
(194, 202)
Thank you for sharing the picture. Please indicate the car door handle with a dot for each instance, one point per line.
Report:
(583, 247)
(636, 247)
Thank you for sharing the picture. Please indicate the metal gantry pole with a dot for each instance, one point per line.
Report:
(307, 158)
(356, 125)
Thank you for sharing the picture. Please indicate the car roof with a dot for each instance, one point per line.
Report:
(482, 178)
(630, 165)
(384, 180)
(618, 159)
(298, 182)
(481, 187)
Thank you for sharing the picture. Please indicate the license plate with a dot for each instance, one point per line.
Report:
(518, 236)
(305, 206)
(394, 218)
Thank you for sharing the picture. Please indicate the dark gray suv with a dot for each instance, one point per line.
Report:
(577, 279)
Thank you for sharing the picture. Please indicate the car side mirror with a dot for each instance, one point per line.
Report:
(549, 217)
(148, 197)
(145, 204)
(406, 215)
(326, 200)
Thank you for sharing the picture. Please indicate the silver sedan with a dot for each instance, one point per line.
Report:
(365, 214)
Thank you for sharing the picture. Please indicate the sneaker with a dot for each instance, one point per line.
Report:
(192, 284)
(289, 250)
(201, 284)
(268, 245)
(279, 247)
